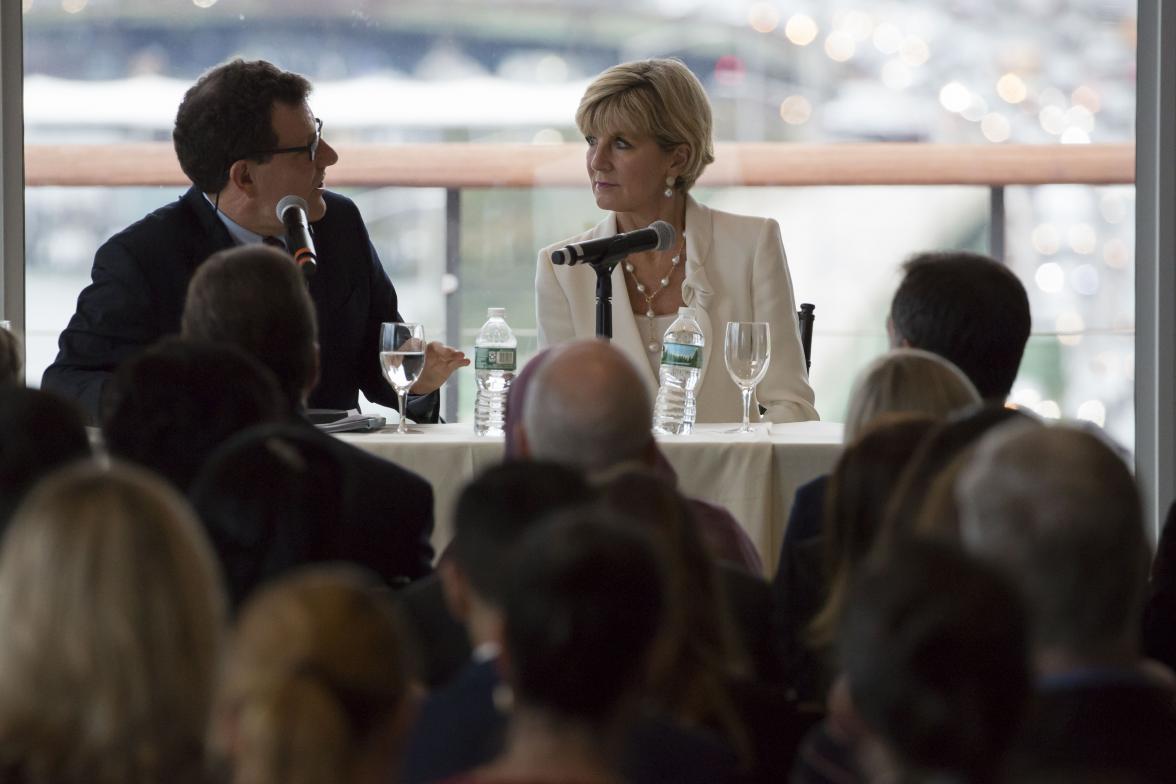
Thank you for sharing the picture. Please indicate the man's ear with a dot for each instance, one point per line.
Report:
(524, 448)
(456, 589)
(896, 340)
(241, 176)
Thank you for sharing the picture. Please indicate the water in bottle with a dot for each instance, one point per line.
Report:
(681, 365)
(494, 361)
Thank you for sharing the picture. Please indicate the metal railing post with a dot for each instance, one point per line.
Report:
(996, 222)
(452, 293)
(12, 251)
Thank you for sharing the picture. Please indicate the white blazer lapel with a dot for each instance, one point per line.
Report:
(697, 291)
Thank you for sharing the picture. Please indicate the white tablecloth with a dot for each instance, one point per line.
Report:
(754, 476)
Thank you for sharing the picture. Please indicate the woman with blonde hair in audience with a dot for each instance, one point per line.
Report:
(316, 687)
(112, 612)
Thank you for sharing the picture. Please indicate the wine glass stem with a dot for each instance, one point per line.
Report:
(402, 396)
(746, 391)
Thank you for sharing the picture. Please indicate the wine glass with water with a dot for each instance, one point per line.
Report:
(402, 358)
(747, 348)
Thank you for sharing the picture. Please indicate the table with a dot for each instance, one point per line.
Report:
(754, 476)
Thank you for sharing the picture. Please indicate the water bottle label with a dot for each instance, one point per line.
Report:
(682, 355)
(487, 358)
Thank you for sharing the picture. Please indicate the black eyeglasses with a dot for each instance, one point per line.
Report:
(310, 149)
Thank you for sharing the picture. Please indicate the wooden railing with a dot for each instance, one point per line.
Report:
(460, 166)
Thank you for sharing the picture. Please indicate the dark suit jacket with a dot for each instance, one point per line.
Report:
(140, 278)
(441, 645)
(1117, 725)
(459, 728)
(389, 510)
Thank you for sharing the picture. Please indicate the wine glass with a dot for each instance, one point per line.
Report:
(747, 348)
(402, 358)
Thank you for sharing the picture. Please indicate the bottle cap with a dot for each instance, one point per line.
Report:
(495, 312)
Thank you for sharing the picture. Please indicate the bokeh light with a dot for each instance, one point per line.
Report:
(801, 30)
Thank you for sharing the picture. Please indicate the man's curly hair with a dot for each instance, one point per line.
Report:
(227, 116)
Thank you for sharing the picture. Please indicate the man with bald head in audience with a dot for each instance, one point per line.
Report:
(1057, 509)
(587, 407)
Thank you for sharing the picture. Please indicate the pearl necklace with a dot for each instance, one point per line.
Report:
(654, 344)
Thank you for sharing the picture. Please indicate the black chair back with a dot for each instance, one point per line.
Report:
(806, 318)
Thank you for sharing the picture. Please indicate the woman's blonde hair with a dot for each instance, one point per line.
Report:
(316, 666)
(907, 380)
(113, 614)
(659, 98)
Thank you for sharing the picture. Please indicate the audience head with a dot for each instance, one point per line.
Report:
(494, 512)
(316, 689)
(41, 432)
(934, 648)
(227, 116)
(907, 380)
(112, 611)
(252, 297)
(859, 488)
(1058, 509)
(923, 500)
(968, 308)
(175, 403)
(588, 407)
(11, 361)
(266, 498)
(516, 399)
(660, 99)
(697, 649)
(583, 606)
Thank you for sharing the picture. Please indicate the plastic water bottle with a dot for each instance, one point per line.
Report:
(681, 365)
(494, 361)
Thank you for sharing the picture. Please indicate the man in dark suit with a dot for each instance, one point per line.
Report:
(253, 298)
(246, 137)
(1057, 509)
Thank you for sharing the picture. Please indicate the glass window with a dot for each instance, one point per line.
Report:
(1039, 72)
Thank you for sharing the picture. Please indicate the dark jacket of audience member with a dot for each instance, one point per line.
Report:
(246, 296)
(39, 432)
(172, 405)
(1159, 618)
(275, 497)
(968, 308)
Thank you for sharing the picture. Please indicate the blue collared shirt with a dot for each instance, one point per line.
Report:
(240, 234)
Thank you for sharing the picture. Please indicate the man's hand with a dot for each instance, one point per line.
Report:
(440, 362)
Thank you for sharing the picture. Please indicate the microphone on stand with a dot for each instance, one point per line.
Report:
(292, 213)
(657, 236)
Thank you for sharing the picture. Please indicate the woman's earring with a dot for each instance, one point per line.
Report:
(669, 191)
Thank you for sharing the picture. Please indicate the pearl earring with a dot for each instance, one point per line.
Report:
(669, 191)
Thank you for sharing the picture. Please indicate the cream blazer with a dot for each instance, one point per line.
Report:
(735, 271)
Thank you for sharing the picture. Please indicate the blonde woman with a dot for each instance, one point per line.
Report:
(648, 129)
(112, 614)
(316, 689)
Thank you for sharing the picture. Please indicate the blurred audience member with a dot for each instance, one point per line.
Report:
(172, 405)
(459, 727)
(113, 613)
(933, 649)
(316, 687)
(1058, 510)
(253, 298)
(922, 502)
(967, 308)
(39, 432)
(272, 498)
(819, 574)
(11, 360)
(586, 406)
(583, 604)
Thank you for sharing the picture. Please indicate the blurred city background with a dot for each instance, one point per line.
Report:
(938, 71)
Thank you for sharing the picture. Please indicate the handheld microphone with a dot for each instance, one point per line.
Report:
(292, 213)
(657, 236)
